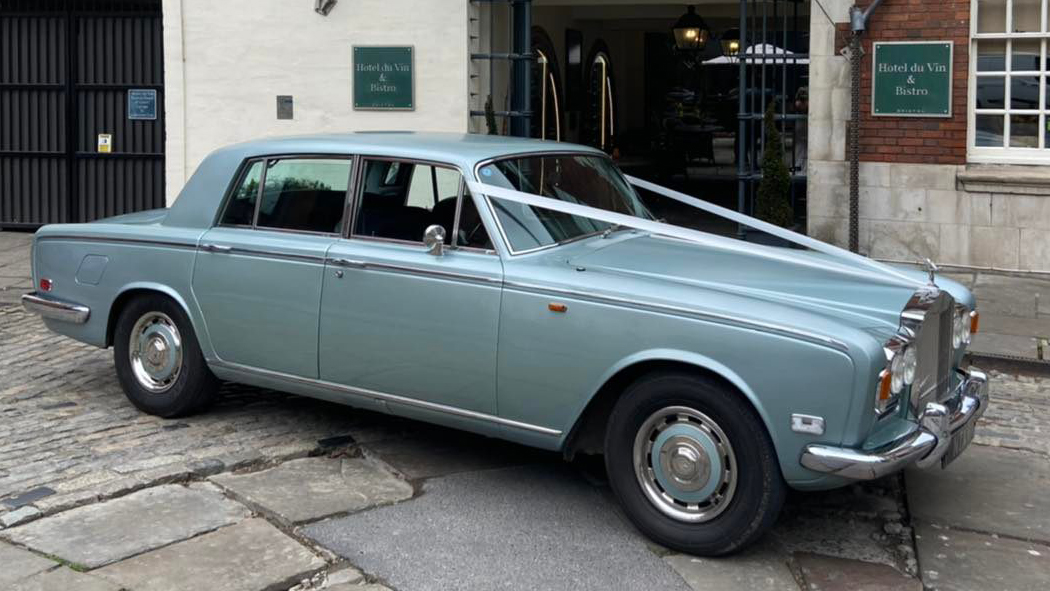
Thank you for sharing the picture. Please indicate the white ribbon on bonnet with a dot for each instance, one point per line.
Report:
(862, 267)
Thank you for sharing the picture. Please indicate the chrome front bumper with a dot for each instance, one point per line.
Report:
(55, 309)
(925, 446)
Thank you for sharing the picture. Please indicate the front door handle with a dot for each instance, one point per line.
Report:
(216, 248)
(347, 263)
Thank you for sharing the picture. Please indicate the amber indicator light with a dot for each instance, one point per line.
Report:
(884, 386)
(556, 307)
(975, 321)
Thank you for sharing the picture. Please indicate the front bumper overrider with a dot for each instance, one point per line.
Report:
(924, 446)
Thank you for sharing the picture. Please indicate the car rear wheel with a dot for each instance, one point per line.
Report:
(692, 464)
(158, 360)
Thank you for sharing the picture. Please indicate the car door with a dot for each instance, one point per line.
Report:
(416, 327)
(257, 275)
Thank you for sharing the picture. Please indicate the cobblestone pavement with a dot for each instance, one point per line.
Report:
(70, 442)
(68, 435)
(15, 276)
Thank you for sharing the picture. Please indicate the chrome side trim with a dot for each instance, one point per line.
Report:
(140, 241)
(303, 258)
(55, 309)
(689, 313)
(408, 270)
(382, 396)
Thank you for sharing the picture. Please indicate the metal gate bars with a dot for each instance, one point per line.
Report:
(72, 148)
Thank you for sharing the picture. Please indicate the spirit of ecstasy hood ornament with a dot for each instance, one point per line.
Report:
(932, 270)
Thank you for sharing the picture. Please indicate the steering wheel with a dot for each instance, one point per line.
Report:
(472, 233)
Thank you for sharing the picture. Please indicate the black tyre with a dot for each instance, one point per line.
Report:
(158, 359)
(692, 464)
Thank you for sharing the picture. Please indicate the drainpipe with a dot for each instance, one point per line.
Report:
(858, 21)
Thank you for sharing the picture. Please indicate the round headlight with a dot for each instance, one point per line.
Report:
(897, 371)
(911, 362)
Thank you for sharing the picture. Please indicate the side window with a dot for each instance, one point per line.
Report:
(241, 208)
(432, 184)
(471, 229)
(401, 205)
(304, 194)
(422, 196)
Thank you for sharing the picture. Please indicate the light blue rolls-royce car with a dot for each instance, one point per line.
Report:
(369, 269)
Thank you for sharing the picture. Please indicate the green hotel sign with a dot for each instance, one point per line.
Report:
(912, 79)
(383, 78)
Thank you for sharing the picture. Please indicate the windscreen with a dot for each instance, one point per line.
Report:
(584, 179)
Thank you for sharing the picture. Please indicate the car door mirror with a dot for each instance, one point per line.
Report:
(434, 240)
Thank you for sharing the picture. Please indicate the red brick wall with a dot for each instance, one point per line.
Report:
(910, 139)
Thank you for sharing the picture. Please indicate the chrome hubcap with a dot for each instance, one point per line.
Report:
(685, 464)
(156, 352)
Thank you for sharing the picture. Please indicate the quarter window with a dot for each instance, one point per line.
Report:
(306, 194)
(241, 208)
(1009, 75)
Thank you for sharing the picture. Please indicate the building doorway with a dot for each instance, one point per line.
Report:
(685, 116)
(72, 149)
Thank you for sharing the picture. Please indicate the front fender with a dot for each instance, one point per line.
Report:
(694, 359)
(774, 393)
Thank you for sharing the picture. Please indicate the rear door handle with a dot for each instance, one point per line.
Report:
(216, 248)
(348, 263)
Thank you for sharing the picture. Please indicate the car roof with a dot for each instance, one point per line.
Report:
(199, 199)
(461, 149)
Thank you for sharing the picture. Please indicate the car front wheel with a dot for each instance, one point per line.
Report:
(158, 360)
(692, 464)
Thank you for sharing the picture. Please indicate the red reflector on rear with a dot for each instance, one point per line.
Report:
(46, 285)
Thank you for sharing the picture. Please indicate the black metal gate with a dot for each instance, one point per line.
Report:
(773, 62)
(66, 68)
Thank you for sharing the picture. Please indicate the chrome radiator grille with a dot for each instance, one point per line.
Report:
(931, 312)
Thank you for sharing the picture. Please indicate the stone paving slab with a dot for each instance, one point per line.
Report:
(63, 579)
(311, 488)
(533, 527)
(249, 556)
(99, 534)
(443, 452)
(989, 343)
(16, 563)
(1010, 296)
(762, 568)
(827, 573)
(954, 560)
(988, 490)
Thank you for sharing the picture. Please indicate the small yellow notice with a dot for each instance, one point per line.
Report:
(105, 143)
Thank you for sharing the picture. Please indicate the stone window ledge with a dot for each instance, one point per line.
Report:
(1013, 179)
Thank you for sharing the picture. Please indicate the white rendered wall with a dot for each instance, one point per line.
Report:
(226, 61)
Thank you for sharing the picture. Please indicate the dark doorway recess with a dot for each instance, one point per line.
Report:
(65, 71)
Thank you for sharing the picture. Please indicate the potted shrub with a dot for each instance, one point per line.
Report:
(771, 202)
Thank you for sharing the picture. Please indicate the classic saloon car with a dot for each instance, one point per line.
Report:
(372, 269)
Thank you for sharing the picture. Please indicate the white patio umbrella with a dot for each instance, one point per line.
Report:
(764, 49)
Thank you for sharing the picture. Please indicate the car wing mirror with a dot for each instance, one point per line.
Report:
(434, 240)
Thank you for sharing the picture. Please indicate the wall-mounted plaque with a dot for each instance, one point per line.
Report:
(383, 78)
(912, 79)
(142, 103)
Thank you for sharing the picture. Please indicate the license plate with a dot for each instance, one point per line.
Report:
(960, 441)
